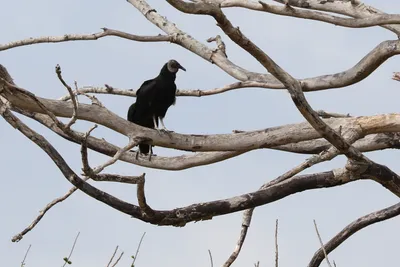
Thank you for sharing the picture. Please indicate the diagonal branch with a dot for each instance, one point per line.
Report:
(71, 94)
(247, 215)
(294, 87)
(353, 228)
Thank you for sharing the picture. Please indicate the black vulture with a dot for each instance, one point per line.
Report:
(153, 99)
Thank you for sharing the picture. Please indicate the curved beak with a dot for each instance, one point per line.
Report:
(181, 67)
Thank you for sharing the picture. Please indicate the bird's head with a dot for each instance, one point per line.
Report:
(173, 66)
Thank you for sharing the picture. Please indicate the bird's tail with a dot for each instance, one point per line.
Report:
(144, 148)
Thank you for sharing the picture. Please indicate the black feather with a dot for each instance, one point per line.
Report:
(153, 99)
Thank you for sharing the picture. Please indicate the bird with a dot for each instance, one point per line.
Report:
(153, 99)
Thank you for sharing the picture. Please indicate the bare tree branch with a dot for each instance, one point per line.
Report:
(20, 235)
(352, 228)
(322, 244)
(142, 199)
(119, 258)
(221, 142)
(247, 215)
(375, 20)
(329, 134)
(342, 7)
(74, 101)
(85, 37)
(112, 257)
(26, 254)
(211, 259)
(137, 250)
(67, 259)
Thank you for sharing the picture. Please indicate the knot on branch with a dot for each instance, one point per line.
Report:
(356, 169)
(220, 44)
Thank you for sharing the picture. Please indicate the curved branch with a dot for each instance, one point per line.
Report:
(374, 20)
(341, 7)
(353, 228)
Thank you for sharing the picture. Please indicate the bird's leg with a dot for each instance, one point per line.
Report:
(150, 152)
(162, 124)
(155, 122)
(163, 129)
(137, 155)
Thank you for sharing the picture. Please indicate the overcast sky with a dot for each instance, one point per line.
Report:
(303, 48)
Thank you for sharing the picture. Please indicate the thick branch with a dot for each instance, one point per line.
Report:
(271, 137)
(290, 83)
(181, 216)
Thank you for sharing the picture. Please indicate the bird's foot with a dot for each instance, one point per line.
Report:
(162, 130)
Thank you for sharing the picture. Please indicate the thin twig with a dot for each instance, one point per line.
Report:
(19, 236)
(116, 157)
(116, 262)
(211, 259)
(73, 97)
(142, 198)
(137, 250)
(112, 257)
(67, 260)
(247, 215)
(26, 254)
(322, 244)
(276, 244)
(90, 173)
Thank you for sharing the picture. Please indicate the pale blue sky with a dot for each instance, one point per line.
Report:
(304, 48)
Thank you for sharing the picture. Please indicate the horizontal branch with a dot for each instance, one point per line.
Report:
(341, 7)
(270, 137)
(195, 212)
(86, 37)
(180, 92)
(353, 75)
(374, 20)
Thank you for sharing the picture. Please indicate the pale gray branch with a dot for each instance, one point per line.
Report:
(373, 20)
(322, 245)
(347, 8)
(247, 215)
(220, 142)
(85, 37)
